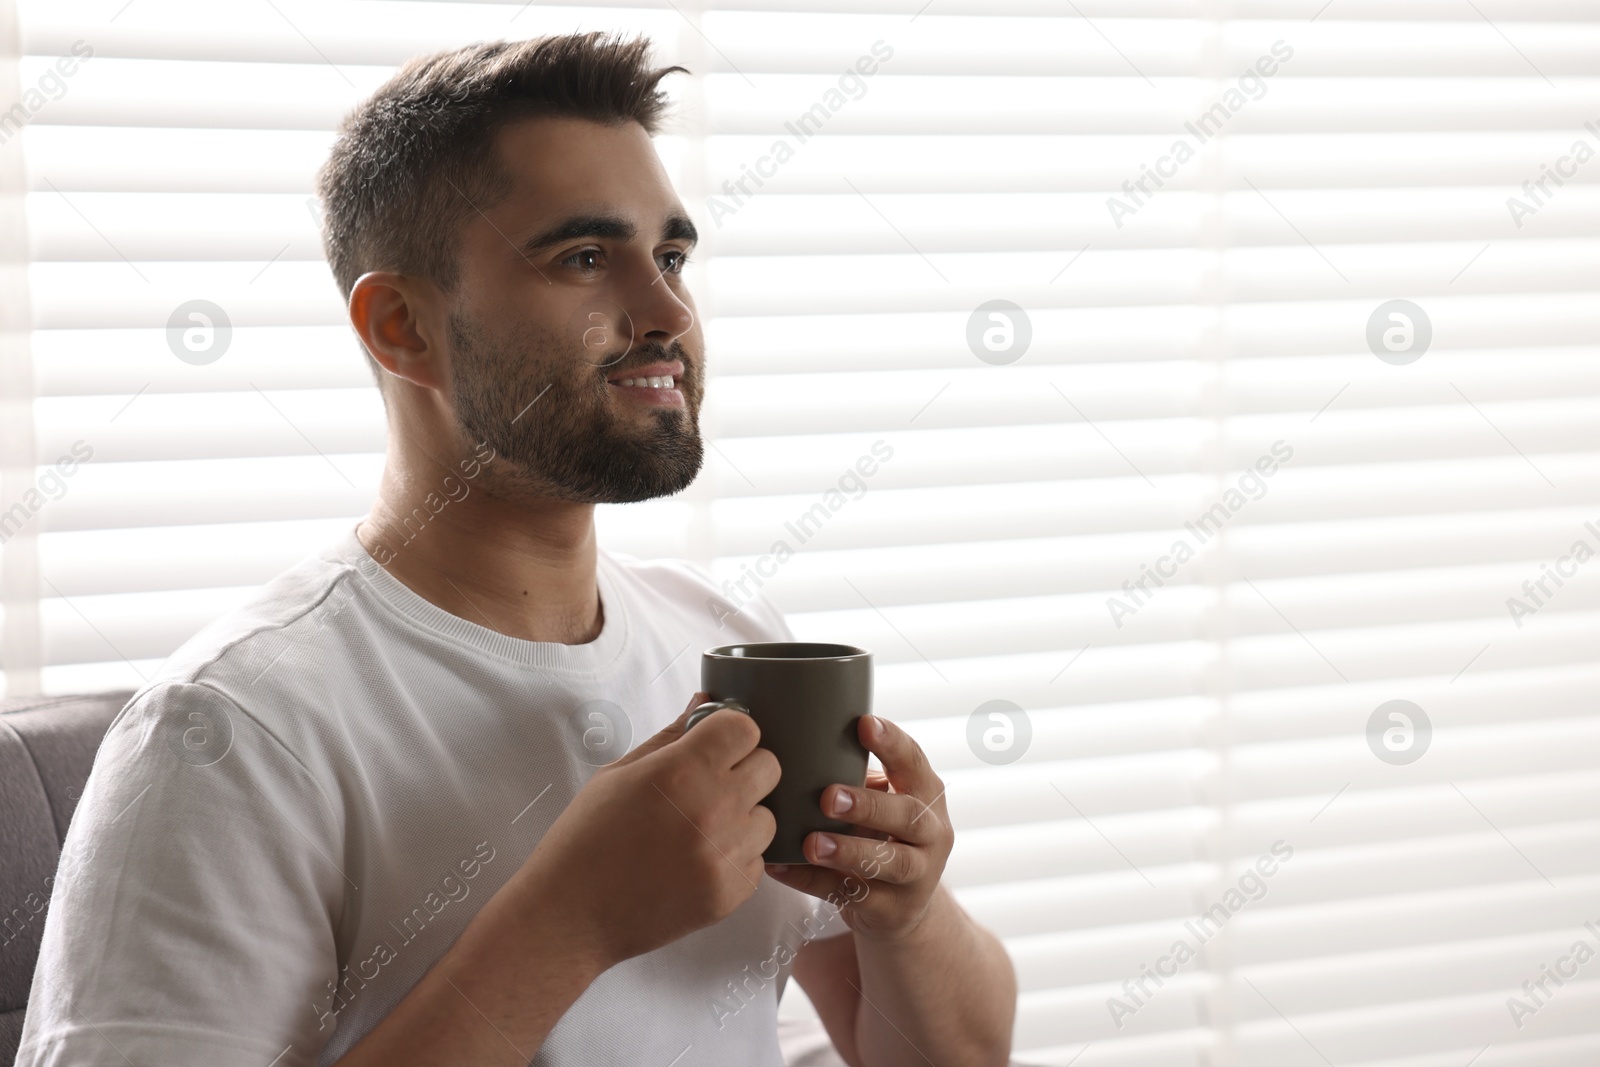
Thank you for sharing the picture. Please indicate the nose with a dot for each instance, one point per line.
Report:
(659, 313)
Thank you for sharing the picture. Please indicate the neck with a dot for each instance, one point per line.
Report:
(469, 544)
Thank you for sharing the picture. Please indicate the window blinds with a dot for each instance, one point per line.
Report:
(1247, 613)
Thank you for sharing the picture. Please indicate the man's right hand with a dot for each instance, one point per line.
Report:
(658, 844)
(663, 841)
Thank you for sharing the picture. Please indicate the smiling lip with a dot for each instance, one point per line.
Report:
(655, 395)
(672, 369)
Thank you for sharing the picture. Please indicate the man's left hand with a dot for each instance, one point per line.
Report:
(885, 875)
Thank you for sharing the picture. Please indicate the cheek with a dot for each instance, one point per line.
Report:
(693, 354)
(598, 331)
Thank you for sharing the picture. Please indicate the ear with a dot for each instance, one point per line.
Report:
(394, 316)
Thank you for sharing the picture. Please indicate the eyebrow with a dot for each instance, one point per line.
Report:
(610, 227)
(679, 228)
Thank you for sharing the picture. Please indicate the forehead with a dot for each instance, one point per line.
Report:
(558, 165)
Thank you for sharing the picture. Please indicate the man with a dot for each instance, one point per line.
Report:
(393, 812)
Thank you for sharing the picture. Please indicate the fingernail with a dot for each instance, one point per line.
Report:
(842, 801)
(825, 845)
(874, 727)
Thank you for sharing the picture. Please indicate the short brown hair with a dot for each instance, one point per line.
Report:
(386, 188)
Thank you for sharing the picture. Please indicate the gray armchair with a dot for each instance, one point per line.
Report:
(47, 745)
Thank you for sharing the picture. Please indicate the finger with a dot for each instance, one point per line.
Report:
(667, 735)
(895, 862)
(677, 726)
(814, 881)
(757, 774)
(901, 815)
(724, 737)
(680, 725)
(904, 763)
(758, 831)
(842, 887)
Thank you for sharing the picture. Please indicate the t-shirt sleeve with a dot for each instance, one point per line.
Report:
(193, 912)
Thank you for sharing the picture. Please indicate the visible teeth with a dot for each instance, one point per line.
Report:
(648, 383)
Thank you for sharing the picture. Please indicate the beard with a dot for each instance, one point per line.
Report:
(570, 443)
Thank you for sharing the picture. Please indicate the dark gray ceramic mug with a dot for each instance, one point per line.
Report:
(806, 697)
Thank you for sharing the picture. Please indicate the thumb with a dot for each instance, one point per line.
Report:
(667, 734)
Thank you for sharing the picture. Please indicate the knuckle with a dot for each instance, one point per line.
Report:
(908, 865)
(675, 778)
(766, 823)
(899, 863)
(771, 771)
(866, 805)
(749, 733)
(870, 867)
(734, 728)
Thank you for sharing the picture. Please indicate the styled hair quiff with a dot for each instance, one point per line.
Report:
(416, 159)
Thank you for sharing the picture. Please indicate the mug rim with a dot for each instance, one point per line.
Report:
(846, 652)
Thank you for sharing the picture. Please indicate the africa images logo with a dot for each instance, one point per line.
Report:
(1252, 85)
(851, 85)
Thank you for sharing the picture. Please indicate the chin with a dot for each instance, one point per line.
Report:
(623, 473)
(657, 484)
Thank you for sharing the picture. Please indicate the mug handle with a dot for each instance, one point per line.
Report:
(715, 705)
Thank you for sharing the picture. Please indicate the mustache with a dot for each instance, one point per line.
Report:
(650, 352)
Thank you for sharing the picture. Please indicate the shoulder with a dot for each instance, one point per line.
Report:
(196, 768)
(687, 589)
(271, 655)
(230, 717)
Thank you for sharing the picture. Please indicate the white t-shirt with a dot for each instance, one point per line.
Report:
(289, 826)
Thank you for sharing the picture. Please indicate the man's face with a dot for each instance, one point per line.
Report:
(569, 287)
